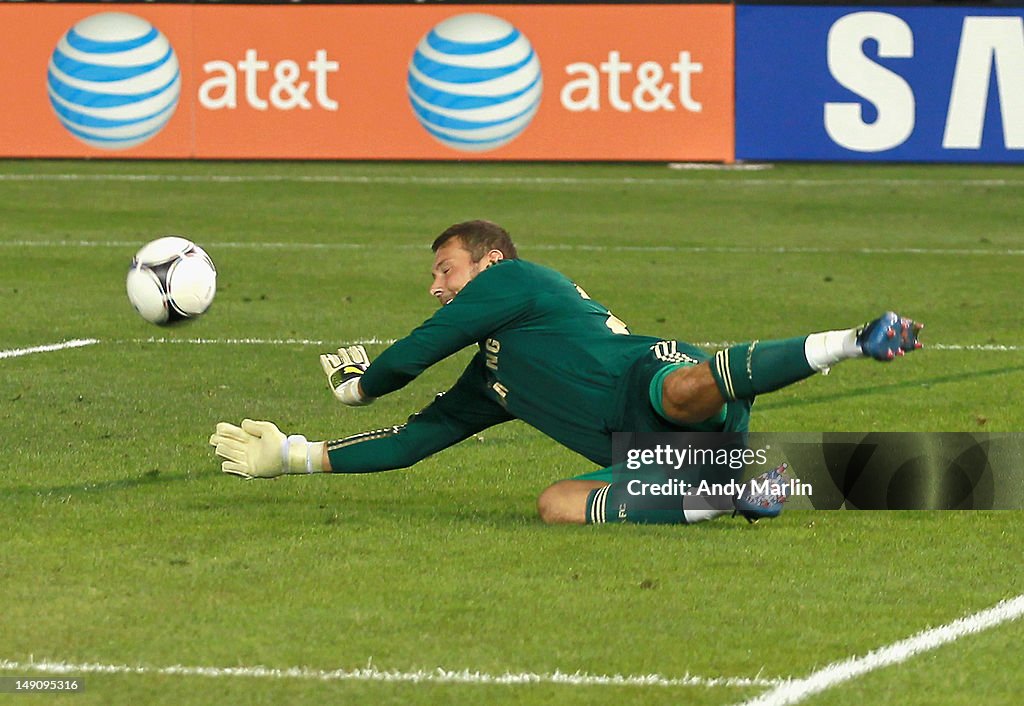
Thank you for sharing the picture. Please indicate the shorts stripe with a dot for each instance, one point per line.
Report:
(722, 366)
(597, 508)
(668, 352)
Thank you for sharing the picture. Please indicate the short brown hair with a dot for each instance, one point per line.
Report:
(479, 238)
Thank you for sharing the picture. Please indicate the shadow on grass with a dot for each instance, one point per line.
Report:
(889, 387)
(153, 477)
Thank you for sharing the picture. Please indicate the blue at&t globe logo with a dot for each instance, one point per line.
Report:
(474, 82)
(113, 80)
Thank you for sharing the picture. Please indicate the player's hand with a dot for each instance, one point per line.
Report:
(343, 371)
(253, 450)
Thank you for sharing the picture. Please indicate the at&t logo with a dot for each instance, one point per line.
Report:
(474, 82)
(113, 80)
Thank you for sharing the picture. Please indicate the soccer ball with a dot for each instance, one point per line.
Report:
(171, 280)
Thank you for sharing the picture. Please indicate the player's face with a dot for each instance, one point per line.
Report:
(453, 269)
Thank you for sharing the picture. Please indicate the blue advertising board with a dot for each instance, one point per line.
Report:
(933, 84)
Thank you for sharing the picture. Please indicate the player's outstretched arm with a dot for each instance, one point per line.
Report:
(344, 370)
(261, 450)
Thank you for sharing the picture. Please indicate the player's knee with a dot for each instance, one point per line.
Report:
(565, 502)
(548, 504)
(690, 395)
(560, 504)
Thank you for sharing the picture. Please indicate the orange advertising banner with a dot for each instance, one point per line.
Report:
(528, 82)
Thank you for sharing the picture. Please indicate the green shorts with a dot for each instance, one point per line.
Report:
(640, 405)
(640, 394)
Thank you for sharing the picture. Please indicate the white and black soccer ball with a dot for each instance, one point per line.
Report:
(171, 280)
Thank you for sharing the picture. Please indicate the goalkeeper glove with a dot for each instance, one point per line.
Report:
(260, 450)
(344, 371)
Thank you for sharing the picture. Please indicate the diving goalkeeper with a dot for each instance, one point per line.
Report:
(561, 362)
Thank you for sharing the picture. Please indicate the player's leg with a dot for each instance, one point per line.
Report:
(607, 495)
(598, 502)
(565, 502)
(612, 495)
(699, 396)
(689, 395)
(693, 393)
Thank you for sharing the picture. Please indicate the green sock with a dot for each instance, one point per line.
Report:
(750, 369)
(614, 503)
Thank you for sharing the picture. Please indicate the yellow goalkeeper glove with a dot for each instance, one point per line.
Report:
(344, 370)
(260, 450)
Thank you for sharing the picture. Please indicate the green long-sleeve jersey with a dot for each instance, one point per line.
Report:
(549, 355)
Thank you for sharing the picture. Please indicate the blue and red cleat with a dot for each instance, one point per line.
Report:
(763, 496)
(888, 336)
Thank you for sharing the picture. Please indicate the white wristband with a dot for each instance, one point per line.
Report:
(293, 454)
(315, 456)
(301, 456)
(348, 393)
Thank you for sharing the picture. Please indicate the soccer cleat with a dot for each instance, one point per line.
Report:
(888, 336)
(763, 496)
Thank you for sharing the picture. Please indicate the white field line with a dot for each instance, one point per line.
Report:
(375, 341)
(76, 343)
(549, 247)
(985, 347)
(721, 167)
(499, 180)
(371, 673)
(253, 341)
(795, 691)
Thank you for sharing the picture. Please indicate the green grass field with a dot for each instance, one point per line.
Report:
(129, 560)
